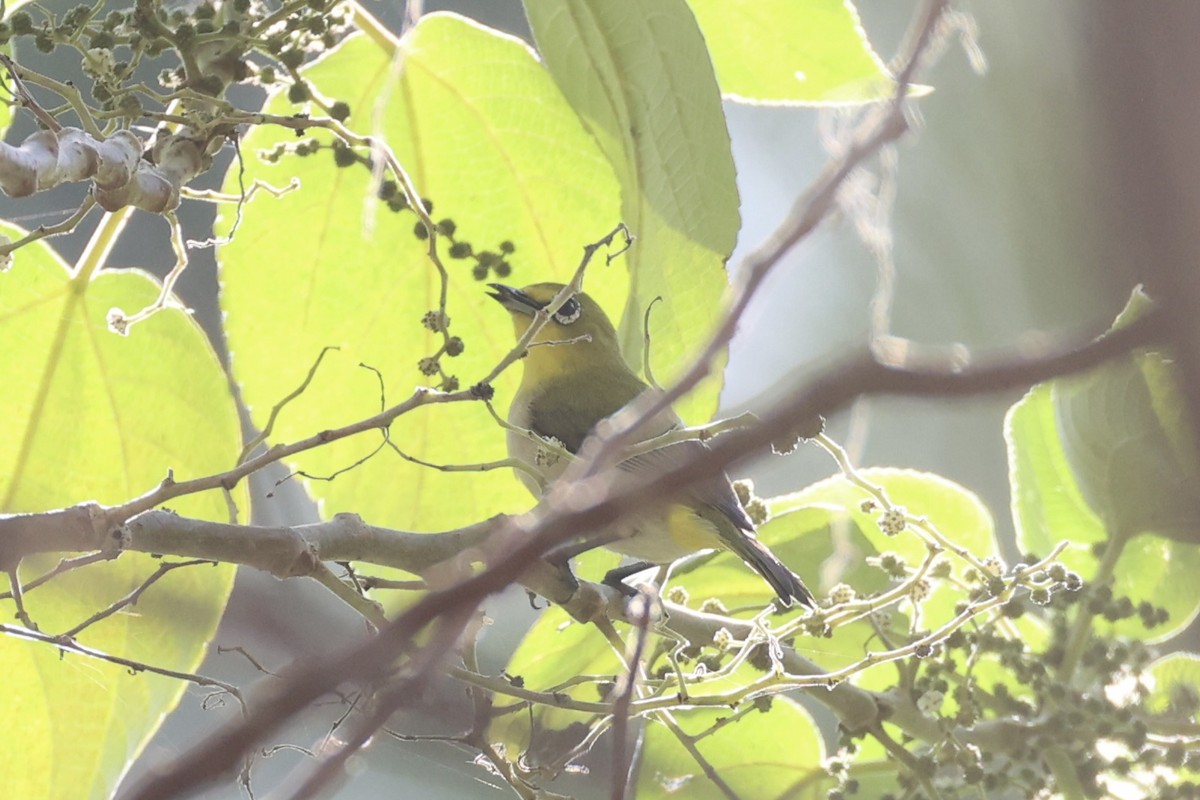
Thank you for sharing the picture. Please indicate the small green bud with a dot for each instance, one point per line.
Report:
(507, 247)
(842, 593)
(447, 227)
(206, 26)
(45, 44)
(76, 16)
(460, 250)
(756, 509)
(340, 111)
(291, 58)
(428, 366)
(435, 320)
(479, 272)
(102, 41)
(892, 521)
(129, 105)
(1014, 609)
(454, 346)
(298, 93)
(343, 156)
(677, 595)
(387, 190)
(503, 269)
(419, 231)
(22, 23)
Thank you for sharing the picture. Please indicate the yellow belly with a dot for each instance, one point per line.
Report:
(664, 537)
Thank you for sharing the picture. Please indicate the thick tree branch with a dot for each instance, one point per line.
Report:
(592, 503)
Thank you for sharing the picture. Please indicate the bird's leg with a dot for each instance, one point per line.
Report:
(561, 556)
(616, 577)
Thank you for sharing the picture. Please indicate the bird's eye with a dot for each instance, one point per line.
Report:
(569, 312)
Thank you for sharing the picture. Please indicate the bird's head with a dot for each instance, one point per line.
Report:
(576, 336)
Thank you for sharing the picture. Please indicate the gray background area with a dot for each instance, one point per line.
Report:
(996, 235)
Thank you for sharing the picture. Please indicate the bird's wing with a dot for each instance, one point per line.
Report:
(569, 407)
(715, 491)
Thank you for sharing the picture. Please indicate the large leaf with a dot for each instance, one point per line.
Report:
(781, 52)
(1048, 507)
(487, 136)
(957, 512)
(1135, 472)
(778, 754)
(1105, 460)
(1176, 686)
(640, 76)
(93, 415)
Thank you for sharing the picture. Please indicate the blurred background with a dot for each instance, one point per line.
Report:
(996, 236)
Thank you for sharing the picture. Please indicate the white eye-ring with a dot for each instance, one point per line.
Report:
(569, 312)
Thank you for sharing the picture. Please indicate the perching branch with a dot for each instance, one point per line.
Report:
(607, 495)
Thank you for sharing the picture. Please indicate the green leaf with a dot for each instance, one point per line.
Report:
(1176, 686)
(954, 510)
(1125, 433)
(91, 415)
(768, 755)
(780, 52)
(1110, 431)
(1047, 505)
(1133, 471)
(487, 136)
(640, 76)
(554, 650)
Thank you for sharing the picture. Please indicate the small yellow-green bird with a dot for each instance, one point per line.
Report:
(575, 377)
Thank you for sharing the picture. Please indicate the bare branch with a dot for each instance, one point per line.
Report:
(132, 597)
(71, 646)
(622, 763)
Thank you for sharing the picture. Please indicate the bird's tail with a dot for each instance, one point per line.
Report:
(786, 583)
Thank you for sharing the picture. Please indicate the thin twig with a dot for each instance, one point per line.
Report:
(65, 565)
(72, 646)
(131, 598)
(18, 598)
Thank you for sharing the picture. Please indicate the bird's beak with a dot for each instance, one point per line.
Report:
(513, 299)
